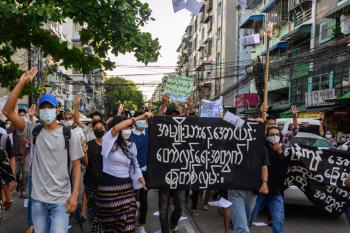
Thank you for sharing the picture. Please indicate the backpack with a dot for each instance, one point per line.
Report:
(67, 135)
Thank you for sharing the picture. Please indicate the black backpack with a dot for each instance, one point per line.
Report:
(67, 135)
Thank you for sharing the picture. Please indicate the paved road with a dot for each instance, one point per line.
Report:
(298, 220)
(15, 220)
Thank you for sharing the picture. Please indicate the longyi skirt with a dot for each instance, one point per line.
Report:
(116, 204)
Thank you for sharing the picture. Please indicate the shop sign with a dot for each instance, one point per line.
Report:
(247, 100)
(313, 115)
(317, 98)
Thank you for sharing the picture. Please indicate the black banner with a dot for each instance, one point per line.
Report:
(202, 153)
(320, 174)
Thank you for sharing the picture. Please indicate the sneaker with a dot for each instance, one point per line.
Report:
(141, 230)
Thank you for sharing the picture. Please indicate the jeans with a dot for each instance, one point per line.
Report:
(143, 199)
(275, 205)
(30, 218)
(347, 214)
(243, 202)
(179, 202)
(49, 218)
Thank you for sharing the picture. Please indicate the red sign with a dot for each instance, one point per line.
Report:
(247, 100)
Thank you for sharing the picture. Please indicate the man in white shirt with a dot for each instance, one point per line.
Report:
(53, 195)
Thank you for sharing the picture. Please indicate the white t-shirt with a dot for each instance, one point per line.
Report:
(115, 162)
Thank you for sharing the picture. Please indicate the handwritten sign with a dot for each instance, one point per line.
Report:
(211, 108)
(178, 88)
(204, 153)
(320, 174)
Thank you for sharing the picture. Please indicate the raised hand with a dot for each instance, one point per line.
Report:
(322, 117)
(32, 110)
(28, 76)
(165, 100)
(77, 99)
(148, 115)
(294, 110)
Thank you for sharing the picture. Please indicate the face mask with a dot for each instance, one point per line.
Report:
(24, 118)
(68, 123)
(328, 136)
(273, 139)
(126, 133)
(7, 126)
(47, 115)
(141, 124)
(99, 133)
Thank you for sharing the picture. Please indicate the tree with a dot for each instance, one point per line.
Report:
(119, 90)
(112, 26)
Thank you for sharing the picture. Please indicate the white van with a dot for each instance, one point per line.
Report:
(307, 125)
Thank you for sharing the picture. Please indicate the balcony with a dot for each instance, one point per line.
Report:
(343, 8)
(282, 45)
(298, 33)
(299, 4)
(208, 17)
(300, 17)
(209, 6)
(252, 20)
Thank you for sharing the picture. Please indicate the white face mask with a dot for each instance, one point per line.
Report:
(328, 136)
(126, 134)
(48, 115)
(273, 139)
(68, 123)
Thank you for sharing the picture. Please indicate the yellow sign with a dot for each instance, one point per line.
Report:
(315, 115)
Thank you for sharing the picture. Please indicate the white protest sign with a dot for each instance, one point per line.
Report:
(178, 5)
(234, 120)
(211, 108)
(193, 6)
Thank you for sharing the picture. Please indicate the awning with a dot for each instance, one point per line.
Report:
(298, 33)
(343, 8)
(312, 109)
(279, 108)
(344, 98)
(251, 111)
(249, 22)
(269, 6)
(279, 45)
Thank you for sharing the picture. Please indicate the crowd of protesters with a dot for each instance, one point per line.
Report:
(41, 157)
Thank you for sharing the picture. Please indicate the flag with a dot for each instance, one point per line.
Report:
(193, 6)
(178, 5)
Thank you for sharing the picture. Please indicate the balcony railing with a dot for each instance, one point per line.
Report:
(301, 17)
(293, 4)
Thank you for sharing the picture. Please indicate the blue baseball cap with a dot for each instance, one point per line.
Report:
(48, 98)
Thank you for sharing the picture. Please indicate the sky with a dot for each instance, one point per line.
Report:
(169, 27)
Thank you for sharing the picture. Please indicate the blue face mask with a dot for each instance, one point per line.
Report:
(47, 115)
(141, 124)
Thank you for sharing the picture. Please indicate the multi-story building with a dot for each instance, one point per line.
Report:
(309, 55)
(207, 50)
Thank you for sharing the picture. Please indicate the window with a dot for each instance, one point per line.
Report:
(279, 13)
(298, 89)
(326, 30)
(219, 9)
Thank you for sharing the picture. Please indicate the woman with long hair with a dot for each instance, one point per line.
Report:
(115, 196)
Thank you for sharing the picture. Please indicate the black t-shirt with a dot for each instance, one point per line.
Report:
(95, 165)
(277, 171)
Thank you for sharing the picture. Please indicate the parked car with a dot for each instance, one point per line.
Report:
(293, 195)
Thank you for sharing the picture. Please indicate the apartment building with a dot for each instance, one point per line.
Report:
(207, 50)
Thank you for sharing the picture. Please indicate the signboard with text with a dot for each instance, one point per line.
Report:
(317, 98)
(178, 88)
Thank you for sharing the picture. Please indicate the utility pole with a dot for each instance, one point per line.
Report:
(268, 32)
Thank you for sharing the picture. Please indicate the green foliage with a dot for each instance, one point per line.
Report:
(119, 90)
(112, 26)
